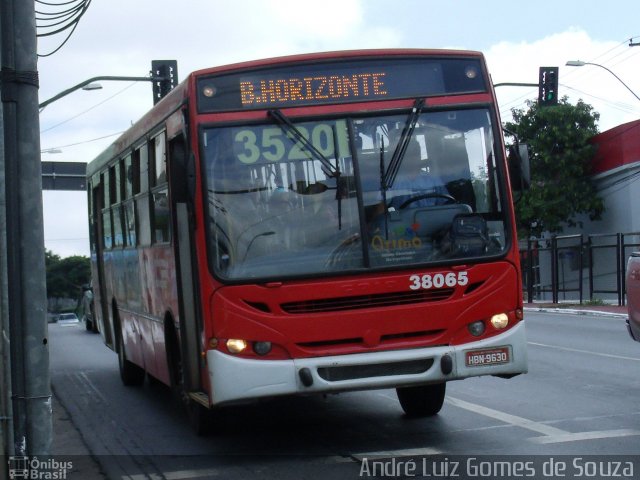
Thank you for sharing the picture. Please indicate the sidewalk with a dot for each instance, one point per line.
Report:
(68, 444)
(576, 308)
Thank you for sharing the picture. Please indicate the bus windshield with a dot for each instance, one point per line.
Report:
(324, 196)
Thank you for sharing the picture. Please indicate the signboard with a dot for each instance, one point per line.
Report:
(64, 176)
(340, 81)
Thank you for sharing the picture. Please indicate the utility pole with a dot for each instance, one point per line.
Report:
(22, 233)
(6, 424)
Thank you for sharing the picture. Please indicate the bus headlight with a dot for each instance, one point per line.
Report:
(500, 321)
(236, 345)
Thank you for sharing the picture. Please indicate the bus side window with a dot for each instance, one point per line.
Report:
(159, 191)
(116, 210)
(180, 177)
(142, 200)
(161, 218)
(106, 228)
(127, 175)
(158, 160)
(143, 161)
(144, 225)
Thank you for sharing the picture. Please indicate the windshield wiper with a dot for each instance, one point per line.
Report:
(327, 167)
(330, 170)
(398, 154)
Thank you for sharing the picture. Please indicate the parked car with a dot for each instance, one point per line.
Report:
(67, 318)
(633, 295)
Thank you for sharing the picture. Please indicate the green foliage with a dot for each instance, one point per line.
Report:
(560, 156)
(65, 276)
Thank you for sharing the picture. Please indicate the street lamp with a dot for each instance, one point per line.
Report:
(579, 63)
(92, 86)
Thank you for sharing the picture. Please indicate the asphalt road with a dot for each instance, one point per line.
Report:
(579, 398)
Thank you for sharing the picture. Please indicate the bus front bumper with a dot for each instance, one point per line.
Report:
(235, 379)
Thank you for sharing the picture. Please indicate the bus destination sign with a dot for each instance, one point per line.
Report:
(356, 80)
(317, 88)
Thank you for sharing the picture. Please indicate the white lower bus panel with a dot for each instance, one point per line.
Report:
(236, 379)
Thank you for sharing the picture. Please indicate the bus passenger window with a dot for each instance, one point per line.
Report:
(114, 184)
(106, 200)
(159, 160)
(161, 217)
(130, 223)
(144, 168)
(106, 228)
(127, 174)
(135, 172)
(118, 237)
(144, 224)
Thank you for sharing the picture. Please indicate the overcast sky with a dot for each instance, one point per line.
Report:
(121, 37)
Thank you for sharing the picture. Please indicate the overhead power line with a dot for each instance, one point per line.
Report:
(60, 17)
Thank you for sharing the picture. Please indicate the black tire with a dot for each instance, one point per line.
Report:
(199, 416)
(422, 401)
(131, 374)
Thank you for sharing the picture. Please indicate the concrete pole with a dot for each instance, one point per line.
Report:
(24, 230)
(6, 420)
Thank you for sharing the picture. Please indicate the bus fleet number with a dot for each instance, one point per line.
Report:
(438, 280)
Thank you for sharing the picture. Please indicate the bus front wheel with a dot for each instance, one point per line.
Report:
(423, 400)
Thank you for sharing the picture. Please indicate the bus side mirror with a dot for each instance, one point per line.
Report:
(519, 169)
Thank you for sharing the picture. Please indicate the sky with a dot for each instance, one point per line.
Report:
(121, 37)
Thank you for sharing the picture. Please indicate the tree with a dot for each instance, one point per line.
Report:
(560, 156)
(66, 276)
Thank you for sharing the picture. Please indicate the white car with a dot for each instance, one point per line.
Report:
(67, 319)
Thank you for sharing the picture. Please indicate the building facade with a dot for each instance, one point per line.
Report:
(616, 173)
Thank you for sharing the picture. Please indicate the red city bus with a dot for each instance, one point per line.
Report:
(312, 224)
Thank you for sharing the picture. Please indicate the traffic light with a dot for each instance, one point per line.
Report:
(167, 69)
(548, 86)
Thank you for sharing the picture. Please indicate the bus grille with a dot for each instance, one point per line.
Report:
(367, 301)
(352, 372)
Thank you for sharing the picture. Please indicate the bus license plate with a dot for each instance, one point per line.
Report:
(492, 356)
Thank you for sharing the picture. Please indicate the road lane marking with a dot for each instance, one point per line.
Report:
(407, 452)
(550, 434)
(84, 380)
(573, 437)
(506, 417)
(177, 475)
(577, 350)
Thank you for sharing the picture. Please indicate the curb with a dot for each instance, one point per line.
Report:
(576, 311)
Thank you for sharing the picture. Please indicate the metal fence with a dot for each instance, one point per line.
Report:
(577, 268)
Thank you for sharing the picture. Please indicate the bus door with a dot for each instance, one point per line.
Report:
(181, 174)
(101, 295)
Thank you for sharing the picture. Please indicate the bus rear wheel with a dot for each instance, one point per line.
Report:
(423, 400)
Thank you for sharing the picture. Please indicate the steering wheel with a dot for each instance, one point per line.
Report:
(420, 196)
